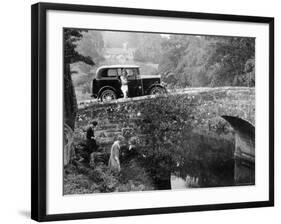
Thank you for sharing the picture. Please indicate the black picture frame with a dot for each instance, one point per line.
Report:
(39, 123)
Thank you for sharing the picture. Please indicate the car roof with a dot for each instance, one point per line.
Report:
(103, 67)
(118, 66)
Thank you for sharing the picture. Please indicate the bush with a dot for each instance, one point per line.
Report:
(164, 121)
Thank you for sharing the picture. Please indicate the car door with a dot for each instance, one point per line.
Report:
(134, 85)
(109, 77)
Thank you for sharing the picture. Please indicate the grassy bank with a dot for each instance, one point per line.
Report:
(83, 179)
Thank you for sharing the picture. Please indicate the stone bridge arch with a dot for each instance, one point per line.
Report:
(244, 154)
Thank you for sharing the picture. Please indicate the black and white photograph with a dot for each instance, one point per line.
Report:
(140, 111)
(148, 111)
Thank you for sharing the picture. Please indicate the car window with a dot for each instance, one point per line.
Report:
(112, 73)
(132, 73)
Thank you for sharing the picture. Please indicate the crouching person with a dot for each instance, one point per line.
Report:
(114, 161)
(130, 152)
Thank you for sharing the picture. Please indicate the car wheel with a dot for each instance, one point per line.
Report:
(157, 90)
(108, 95)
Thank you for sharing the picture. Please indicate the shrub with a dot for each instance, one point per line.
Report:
(164, 121)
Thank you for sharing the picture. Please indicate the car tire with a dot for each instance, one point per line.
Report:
(157, 90)
(108, 95)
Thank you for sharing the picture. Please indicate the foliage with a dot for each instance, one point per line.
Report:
(207, 61)
(163, 121)
(148, 47)
(71, 36)
(104, 178)
(182, 60)
(81, 179)
(91, 45)
(249, 77)
(134, 177)
(229, 59)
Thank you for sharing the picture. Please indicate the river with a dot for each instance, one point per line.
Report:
(210, 164)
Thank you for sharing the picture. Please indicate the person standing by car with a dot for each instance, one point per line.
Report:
(124, 82)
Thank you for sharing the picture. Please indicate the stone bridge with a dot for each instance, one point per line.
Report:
(205, 108)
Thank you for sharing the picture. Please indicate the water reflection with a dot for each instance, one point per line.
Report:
(177, 182)
(210, 164)
(208, 161)
(180, 183)
(211, 175)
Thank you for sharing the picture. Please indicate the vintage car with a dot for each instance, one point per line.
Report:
(106, 85)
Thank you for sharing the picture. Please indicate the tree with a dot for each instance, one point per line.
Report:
(71, 36)
(229, 58)
(250, 72)
(208, 61)
(91, 45)
(163, 121)
(181, 57)
(148, 47)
